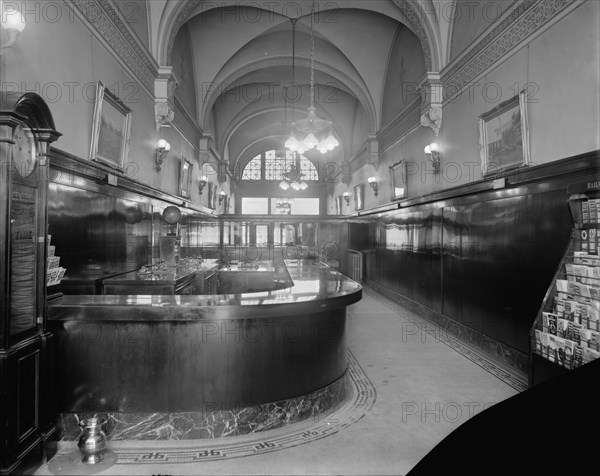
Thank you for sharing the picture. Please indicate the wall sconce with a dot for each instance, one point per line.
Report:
(202, 184)
(346, 196)
(161, 152)
(373, 183)
(432, 152)
(222, 196)
(14, 23)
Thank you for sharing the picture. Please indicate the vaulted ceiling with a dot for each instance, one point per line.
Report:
(233, 60)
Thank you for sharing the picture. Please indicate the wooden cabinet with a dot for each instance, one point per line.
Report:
(27, 412)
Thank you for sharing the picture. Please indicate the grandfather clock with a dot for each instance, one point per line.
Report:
(27, 409)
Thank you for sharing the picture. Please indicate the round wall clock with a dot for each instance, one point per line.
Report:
(24, 150)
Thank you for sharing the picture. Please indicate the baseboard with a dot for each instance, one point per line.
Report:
(508, 356)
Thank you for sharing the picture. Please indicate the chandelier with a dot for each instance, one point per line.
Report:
(293, 179)
(312, 132)
(283, 206)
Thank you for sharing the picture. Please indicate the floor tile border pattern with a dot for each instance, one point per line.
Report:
(513, 380)
(363, 398)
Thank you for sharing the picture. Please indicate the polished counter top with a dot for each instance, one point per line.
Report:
(258, 266)
(93, 271)
(165, 275)
(314, 288)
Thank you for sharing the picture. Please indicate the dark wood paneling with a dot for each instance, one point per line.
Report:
(174, 366)
(488, 255)
(19, 400)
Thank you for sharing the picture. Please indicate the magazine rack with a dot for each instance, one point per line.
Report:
(566, 331)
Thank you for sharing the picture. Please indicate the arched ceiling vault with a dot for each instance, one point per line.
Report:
(236, 45)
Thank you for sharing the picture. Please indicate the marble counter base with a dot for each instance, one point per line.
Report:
(209, 424)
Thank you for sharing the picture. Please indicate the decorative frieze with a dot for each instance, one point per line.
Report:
(403, 123)
(527, 18)
(111, 29)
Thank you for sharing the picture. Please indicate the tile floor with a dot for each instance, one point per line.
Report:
(411, 388)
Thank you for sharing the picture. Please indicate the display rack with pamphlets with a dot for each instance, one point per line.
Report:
(54, 272)
(566, 331)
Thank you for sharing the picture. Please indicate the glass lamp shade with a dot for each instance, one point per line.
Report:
(332, 142)
(284, 185)
(292, 144)
(163, 144)
(171, 215)
(12, 20)
(310, 141)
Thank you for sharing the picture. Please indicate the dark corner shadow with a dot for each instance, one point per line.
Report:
(551, 428)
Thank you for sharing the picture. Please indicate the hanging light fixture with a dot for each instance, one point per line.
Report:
(312, 131)
(292, 178)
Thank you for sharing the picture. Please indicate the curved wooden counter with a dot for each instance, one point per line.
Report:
(151, 353)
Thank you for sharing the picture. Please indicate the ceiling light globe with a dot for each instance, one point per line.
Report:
(310, 141)
(12, 20)
(292, 143)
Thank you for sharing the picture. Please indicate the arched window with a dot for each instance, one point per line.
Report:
(272, 164)
(252, 171)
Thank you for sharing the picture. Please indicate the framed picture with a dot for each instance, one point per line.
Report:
(338, 205)
(212, 195)
(185, 178)
(504, 136)
(111, 129)
(358, 196)
(226, 205)
(398, 180)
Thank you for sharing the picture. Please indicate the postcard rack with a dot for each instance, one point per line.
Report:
(566, 331)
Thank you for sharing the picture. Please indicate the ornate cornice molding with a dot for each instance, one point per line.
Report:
(407, 120)
(527, 18)
(186, 124)
(359, 159)
(102, 16)
(416, 25)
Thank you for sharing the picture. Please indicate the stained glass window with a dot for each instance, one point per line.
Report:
(276, 163)
(252, 171)
(308, 170)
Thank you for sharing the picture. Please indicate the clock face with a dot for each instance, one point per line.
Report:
(24, 151)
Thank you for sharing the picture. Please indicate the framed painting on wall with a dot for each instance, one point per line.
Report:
(358, 196)
(211, 195)
(398, 180)
(185, 178)
(111, 129)
(504, 136)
